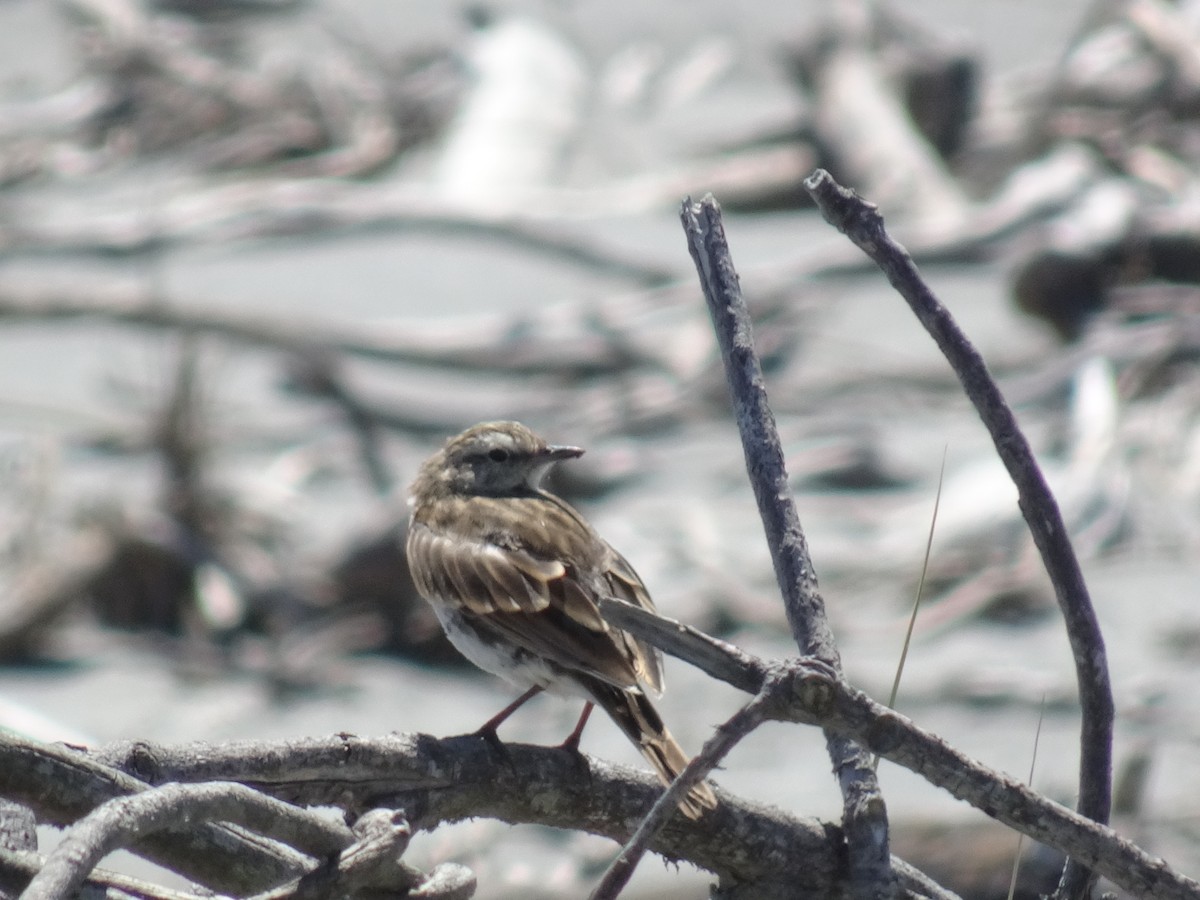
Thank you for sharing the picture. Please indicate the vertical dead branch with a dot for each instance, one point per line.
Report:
(864, 816)
(861, 222)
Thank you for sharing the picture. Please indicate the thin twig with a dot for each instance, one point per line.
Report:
(861, 222)
(1037, 738)
(18, 867)
(912, 619)
(716, 748)
(440, 780)
(721, 660)
(864, 814)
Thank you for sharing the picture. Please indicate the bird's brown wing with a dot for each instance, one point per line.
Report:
(624, 584)
(522, 592)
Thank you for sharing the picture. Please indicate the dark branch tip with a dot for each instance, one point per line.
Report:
(842, 207)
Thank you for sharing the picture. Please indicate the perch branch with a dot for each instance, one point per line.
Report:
(457, 778)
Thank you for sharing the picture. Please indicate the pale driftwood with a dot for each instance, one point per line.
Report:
(70, 786)
(189, 96)
(937, 71)
(197, 213)
(1036, 191)
(861, 119)
(18, 867)
(123, 821)
(525, 106)
(567, 348)
(655, 343)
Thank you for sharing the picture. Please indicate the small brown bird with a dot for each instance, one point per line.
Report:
(514, 573)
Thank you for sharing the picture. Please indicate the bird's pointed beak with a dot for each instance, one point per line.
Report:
(556, 452)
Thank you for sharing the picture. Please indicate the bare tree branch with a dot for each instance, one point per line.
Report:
(721, 660)
(434, 780)
(861, 222)
(810, 692)
(124, 821)
(456, 778)
(63, 785)
(864, 814)
(715, 749)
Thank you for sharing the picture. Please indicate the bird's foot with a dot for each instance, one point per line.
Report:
(494, 744)
(571, 744)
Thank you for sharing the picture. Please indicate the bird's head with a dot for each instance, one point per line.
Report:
(491, 459)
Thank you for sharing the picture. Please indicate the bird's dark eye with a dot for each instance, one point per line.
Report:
(498, 454)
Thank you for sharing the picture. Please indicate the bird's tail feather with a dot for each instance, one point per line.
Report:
(636, 716)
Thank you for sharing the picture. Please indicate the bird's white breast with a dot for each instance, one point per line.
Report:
(523, 670)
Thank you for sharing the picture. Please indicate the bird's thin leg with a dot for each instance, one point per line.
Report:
(487, 731)
(572, 741)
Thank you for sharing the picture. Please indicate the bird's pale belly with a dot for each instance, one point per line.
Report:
(518, 667)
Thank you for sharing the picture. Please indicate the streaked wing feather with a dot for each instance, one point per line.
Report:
(538, 574)
(552, 635)
(464, 580)
(538, 604)
(523, 588)
(578, 604)
(625, 584)
(510, 589)
(541, 569)
(471, 576)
